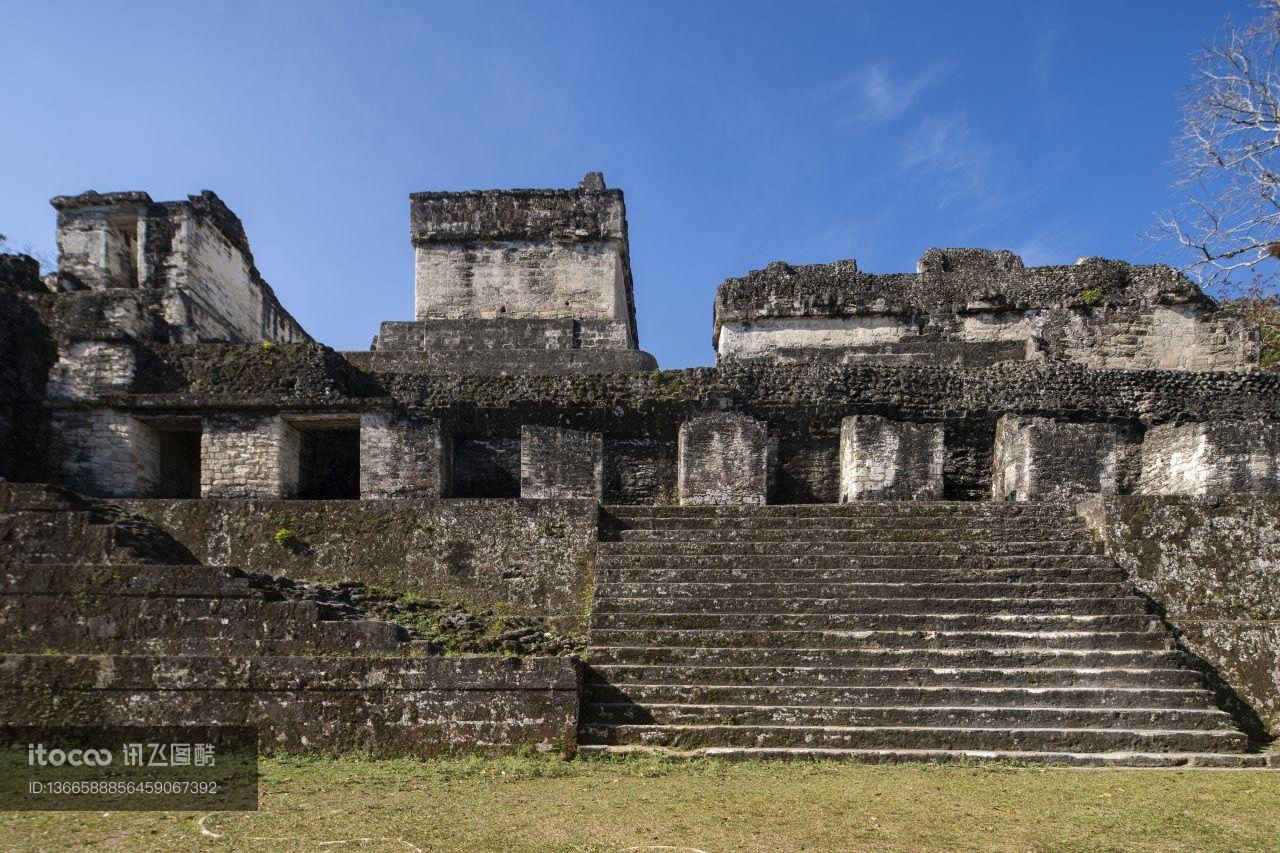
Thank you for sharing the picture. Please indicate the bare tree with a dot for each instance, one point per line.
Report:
(1228, 159)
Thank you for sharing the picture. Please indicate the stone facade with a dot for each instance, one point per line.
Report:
(723, 459)
(882, 459)
(107, 453)
(248, 456)
(561, 463)
(1211, 458)
(1044, 459)
(975, 306)
(402, 457)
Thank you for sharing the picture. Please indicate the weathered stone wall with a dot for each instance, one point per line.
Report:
(1045, 459)
(194, 252)
(248, 456)
(535, 558)
(723, 459)
(1099, 313)
(881, 459)
(27, 352)
(402, 457)
(1213, 565)
(387, 707)
(106, 453)
(1219, 457)
(86, 370)
(561, 463)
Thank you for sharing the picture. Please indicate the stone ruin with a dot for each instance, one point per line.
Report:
(980, 509)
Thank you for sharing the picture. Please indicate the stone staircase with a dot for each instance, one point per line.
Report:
(886, 631)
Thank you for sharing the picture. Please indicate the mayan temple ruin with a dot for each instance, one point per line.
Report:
(978, 509)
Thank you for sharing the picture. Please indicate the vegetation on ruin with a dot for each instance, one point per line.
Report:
(528, 802)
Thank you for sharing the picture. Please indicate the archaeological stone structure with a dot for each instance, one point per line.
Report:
(978, 510)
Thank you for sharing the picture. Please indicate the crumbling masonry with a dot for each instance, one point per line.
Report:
(976, 509)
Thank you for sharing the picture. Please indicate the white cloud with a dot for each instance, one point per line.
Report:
(879, 97)
(943, 154)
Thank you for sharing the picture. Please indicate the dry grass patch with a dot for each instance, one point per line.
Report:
(538, 803)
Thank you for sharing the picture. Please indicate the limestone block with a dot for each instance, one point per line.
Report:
(1216, 458)
(404, 457)
(561, 463)
(106, 453)
(248, 456)
(882, 459)
(87, 369)
(723, 459)
(1045, 459)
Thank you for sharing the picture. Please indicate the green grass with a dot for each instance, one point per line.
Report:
(536, 803)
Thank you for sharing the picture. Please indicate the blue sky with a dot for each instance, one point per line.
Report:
(742, 132)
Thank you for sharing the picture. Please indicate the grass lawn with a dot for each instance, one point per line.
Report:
(539, 803)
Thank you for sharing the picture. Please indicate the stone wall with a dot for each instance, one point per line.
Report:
(881, 459)
(194, 252)
(1099, 313)
(106, 453)
(1213, 566)
(387, 707)
(561, 463)
(248, 456)
(401, 457)
(1220, 457)
(1046, 459)
(533, 558)
(723, 459)
(27, 352)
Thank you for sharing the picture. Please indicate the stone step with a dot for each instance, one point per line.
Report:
(1072, 524)
(798, 547)
(37, 497)
(947, 536)
(876, 657)
(166, 634)
(947, 756)
(917, 737)
(724, 591)
(878, 639)
(1096, 606)
(629, 713)
(802, 676)
(941, 695)
(106, 579)
(842, 623)
(609, 561)
(916, 509)
(609, 573)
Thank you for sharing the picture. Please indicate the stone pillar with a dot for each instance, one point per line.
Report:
(561, 463)
(248, 456)
(723, 459)
(882, 459)
(404, 457)
(106, 453)
(1041, 459)
(1217, 458)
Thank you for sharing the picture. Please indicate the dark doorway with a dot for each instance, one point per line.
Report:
(486, 469)
(179, 464)
(329, 464)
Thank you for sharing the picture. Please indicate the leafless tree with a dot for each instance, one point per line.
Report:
(1227, 158)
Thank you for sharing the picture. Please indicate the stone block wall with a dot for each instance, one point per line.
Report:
(404, 457)
(1213, 565)
(106, 453)
(723, 459)
(561, 463)
(387, 707)
(88, 369)
(1211, 458)
(882, 459)
(532, 558)
(1045, 459)
(248, 456)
